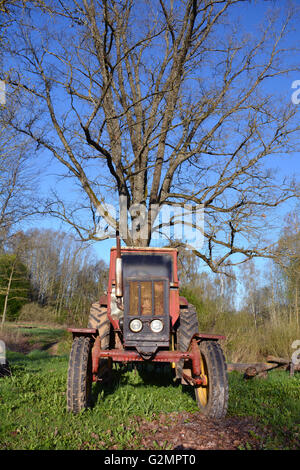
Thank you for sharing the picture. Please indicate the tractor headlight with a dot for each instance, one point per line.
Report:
(136, 325)
(156, 326)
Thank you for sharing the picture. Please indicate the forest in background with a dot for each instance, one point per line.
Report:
(46, 275)
(256, 308)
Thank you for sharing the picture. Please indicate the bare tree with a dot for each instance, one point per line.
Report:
(14, 283)
(18, 184)
(288, 261)
(18, 176)
(251, 277)
(64, 274)
(160, 103)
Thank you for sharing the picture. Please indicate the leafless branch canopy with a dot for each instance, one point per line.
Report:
(161, 102)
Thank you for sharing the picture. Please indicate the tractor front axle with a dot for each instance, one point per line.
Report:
(121, 355)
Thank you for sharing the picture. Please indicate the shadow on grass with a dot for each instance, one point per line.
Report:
(156, 374)
(35, 361)
(146, 375)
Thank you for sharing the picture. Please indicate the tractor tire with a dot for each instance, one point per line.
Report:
(212, 399)
(80, 378)
(5, 370)
(98, 319)
(188, 326)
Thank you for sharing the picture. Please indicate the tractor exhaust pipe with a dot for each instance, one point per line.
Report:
(119, 290)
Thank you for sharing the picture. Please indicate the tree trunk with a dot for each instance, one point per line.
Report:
(6, 296)
(296, 305)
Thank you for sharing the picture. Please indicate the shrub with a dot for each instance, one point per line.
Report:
(245, 341)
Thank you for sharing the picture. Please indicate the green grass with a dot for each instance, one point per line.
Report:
(41, 335)
(33, 405)
(273, 402)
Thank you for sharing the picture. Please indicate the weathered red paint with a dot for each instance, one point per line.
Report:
(174, 305)
(198, 381)
(209, 336)
(103, 300)
(82, 331)
(183, 302)
(119, 355)
(96, 357)
(196, 358)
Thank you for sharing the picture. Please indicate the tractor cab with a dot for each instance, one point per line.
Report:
(143, 292)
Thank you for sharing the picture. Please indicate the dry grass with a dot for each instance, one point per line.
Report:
(34, 312)
(246, 342)
(14, 340)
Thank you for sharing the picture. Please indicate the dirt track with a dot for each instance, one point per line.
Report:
(193, 431)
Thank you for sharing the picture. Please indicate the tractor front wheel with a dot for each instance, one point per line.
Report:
(80, 375)
(212, 398)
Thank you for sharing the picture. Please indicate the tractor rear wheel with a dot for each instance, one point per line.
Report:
(80, 378)
(5, 370)
(188, 326)
(98, 319)
(212, 398)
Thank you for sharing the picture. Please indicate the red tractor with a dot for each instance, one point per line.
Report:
(143, 318)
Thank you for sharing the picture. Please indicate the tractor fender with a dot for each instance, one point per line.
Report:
(183, 302)
(103, 300)
(91, 332)
(207, 337)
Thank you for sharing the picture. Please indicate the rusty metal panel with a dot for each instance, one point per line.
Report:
(133, 298)
(206, 336)
(87, 332)
(158, 298)
(83, 331)
(103, 300)
(128, 356)
(183, 302)
(174, 305)
(146, 298)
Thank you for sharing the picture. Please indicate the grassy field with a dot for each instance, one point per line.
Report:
(33, 403)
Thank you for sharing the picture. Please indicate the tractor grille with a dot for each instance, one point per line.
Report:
(146, 298)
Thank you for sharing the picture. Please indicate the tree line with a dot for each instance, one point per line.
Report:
(51, 269)
(265, 291)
